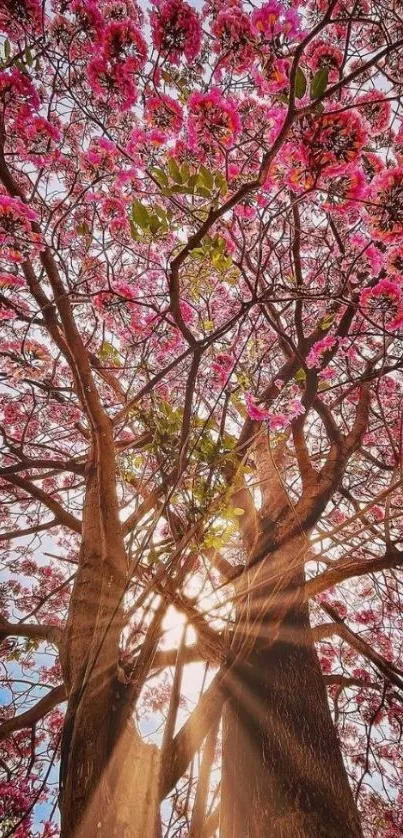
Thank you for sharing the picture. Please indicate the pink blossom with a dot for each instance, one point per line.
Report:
(213, 119)
(385, 207)
(394, 261)
(265, 20)
(334, 141)
(187, 311)
(292, 165)
(122, 54)
(222, 367)
(122, 42)
(246, 211)
(376, 111)
(345, 190)
(17, 239)
(16, 88)
(325, 56)
(21, 17)
(165, 113)
(232, 27)
(327, 374)
(318, 351)
(385, 299)
(258, 414)
(176, 30)
(295, 407)
(278, 421)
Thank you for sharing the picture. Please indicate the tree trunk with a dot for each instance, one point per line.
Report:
(109, 778)
(282, 774)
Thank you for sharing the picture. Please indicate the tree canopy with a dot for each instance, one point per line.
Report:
(201, 304)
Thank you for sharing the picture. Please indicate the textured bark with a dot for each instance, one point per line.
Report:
(125, 803)
(109, 778)
(283, 774)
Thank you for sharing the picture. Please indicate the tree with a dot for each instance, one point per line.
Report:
(201, 222)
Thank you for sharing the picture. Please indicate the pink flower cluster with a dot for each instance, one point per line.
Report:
(121, 54)
(15, 799)
(21, 17)
(375, 110)
(335, 141)
(17, 239)
(318, 351)
(235, 39)
(394, 261)
(213, 120)
(222, 367)
(344, 191)
(385, 207)
(273, 19)
(16, 89)
(164, 113)
(276, 421)
(35, 136)
(323, 55)
(385, 299)
(176, 30)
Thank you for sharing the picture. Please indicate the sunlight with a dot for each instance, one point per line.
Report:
(173, 625)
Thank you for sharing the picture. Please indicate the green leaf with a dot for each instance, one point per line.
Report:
(159, 176)
(179, 189)
(207, 177)
(221, 183)
(326, 322)
(167, 77)
(319, 83)
(154, 223)
(108, 352)
(28, 57)
(185, 173)
(300, 83)
(174, 170)
(192, 182)
(140, 214)
(7, 48)
(201, 190)
(161, 212)
(208, 325)
(300, 375)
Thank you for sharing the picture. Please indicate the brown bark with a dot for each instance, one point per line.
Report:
(125, 803)
(282, 773)
(108, 777)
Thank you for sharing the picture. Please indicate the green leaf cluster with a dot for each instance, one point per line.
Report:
(22, 62)
(153, 220)
(108, 352)
(215, 251)
(181, 180)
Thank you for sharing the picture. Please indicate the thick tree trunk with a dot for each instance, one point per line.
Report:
(109, 778)
(282, 774)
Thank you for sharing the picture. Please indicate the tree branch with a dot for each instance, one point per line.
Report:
(32, 631)
(35, 713)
